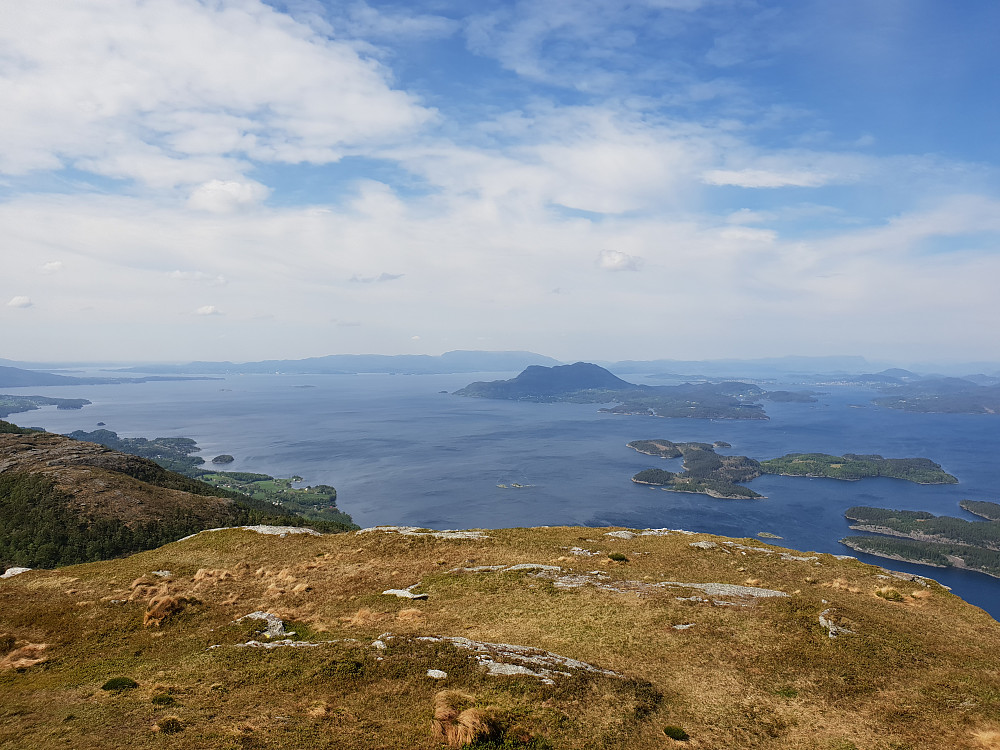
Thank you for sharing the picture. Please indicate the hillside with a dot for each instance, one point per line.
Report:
(534, 638)
(64, 501)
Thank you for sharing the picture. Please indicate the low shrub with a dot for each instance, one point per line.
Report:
(170, 725)
(120, 683)
(617, 557)
(675, 733)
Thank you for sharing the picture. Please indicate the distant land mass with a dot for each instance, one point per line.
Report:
(351, 364)
(584, 382)
(944, 396)
(15, 404)
(16, 377)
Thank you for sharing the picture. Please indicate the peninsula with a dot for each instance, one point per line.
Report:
(929, 540)
(16, 404)
(318, 503)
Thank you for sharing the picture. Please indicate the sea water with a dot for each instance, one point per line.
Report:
(401, 451)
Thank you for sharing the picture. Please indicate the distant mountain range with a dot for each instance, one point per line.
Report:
(349, 364)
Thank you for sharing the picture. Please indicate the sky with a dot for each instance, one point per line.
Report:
(589, 179)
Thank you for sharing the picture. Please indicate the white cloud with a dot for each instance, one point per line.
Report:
(208, 310)
(20, 301)
(224, 196)
(616, 260)
(175, 92)
(53, 266)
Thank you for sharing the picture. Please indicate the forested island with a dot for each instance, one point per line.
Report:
(708, 473)
(705, 471)
(922, 537)
(853, 466)
(317, 503)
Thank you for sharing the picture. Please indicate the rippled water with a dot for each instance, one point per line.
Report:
(400, 452)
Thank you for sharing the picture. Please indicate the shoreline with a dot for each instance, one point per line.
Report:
(859, 479)
(956, 562)
(709, 493)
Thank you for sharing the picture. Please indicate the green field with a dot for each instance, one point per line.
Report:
(317, 503)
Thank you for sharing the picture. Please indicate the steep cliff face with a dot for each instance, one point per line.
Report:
(531, 638)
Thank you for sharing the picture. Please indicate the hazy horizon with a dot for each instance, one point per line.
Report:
(241, 180)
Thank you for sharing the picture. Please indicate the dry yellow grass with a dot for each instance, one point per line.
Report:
(919, 673)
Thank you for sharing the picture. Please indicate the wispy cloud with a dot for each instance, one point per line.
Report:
(208, 310)
(20, 301)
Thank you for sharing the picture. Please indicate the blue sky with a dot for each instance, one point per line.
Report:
(232, 179)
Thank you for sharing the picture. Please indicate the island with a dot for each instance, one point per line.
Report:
(853, 466)
(705, 471)
(584, 382)
(16, 404)
(922, 537)
(225, 458)
(318, 503)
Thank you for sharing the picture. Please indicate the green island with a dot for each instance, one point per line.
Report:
(705, 471)
(16, 404)
(317, 503)
(922, 537)
(852, 466)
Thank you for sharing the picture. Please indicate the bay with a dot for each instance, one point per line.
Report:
(401, 452)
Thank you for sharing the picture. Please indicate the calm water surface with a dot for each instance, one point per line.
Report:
(400, 452)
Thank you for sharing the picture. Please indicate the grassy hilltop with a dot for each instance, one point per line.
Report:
(725, 642)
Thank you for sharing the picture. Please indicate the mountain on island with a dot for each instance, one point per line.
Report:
(537, 383)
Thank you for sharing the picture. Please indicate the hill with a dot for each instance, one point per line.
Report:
(583, 382)
(537, 383)
(64, 501)
(517, 638)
